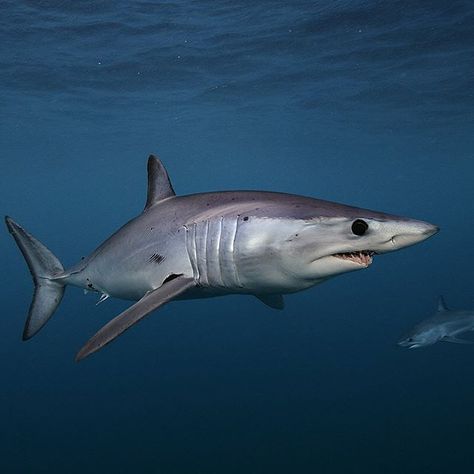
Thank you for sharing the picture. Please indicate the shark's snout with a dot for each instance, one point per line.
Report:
(414, 234)
(401, 234)
(431, 230)
(426, 229)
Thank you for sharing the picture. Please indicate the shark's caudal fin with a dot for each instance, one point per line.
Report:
(43, 266)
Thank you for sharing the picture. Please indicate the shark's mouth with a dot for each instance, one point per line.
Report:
(409, 345)
(362, 257)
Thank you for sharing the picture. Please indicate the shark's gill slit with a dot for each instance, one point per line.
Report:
(234, 266)
(190, 240)
(218, 257)
(206, 259)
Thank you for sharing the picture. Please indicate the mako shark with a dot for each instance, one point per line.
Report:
(445, 325)
(265, 244)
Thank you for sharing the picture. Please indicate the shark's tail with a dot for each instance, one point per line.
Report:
(44, 266)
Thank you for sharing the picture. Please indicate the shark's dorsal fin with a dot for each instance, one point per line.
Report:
(159, 186)
(442, 305)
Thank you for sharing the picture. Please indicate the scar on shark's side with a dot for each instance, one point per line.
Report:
(264, 244)
(157, 258)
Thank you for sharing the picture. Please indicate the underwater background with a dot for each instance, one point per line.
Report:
(363, 102)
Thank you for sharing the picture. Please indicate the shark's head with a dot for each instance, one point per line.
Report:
(292, 242)
(444, 325)
(420, 337)
(343, 239)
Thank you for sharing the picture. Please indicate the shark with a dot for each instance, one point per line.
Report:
(446, 325)
(260, 243)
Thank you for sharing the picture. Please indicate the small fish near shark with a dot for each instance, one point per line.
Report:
(446, 325)
(264, 244)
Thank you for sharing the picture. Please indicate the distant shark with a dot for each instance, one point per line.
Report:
(246, 242)
(445, 325)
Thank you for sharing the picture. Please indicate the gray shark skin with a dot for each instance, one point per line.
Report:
(246, 242)
(446, 325)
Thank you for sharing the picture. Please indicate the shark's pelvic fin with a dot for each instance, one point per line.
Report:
(442, 305)
(456, 340)
(151, 301)
(44, 266)
(273, 301)
(159, 185)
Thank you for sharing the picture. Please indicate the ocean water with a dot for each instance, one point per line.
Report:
(364, 102)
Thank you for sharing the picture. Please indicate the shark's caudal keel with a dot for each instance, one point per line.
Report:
(249, 242)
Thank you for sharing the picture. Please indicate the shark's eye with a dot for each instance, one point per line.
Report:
(359, 227)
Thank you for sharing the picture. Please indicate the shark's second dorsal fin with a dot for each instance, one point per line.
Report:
(159, 186)
(442, 305)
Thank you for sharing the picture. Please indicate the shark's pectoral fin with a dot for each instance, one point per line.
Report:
(456, 340)
(274, 301)
(151, 301)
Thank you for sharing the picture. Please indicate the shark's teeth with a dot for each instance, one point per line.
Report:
(363, 257)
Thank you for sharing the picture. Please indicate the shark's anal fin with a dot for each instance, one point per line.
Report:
(274, 301)
(456, 340)
(159, 185)
(151, 301)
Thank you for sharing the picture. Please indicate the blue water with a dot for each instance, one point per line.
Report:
(363, 102)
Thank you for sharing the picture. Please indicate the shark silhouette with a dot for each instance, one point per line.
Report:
(445, 325)
(249, 242)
